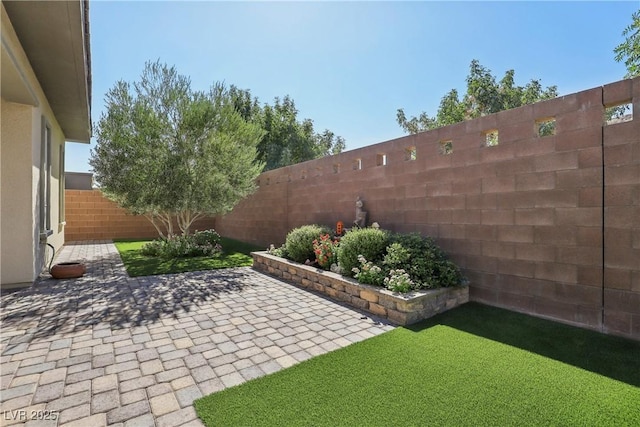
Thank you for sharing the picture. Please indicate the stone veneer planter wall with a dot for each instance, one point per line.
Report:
(402, 309)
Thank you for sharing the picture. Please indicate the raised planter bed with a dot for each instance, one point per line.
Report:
(402, 309)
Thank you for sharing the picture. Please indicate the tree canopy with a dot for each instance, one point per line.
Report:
(288, 140)
(172, 153)
(629, 50)
(485, 95)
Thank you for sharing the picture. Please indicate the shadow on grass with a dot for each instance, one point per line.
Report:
(607, 355)
(139, 265)
(235, 254)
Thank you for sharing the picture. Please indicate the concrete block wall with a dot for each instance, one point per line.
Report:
(543, 225)
(91, 216)
(621, 160)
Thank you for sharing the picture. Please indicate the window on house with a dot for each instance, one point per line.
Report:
(381, 159)
(61, 217)
(45, 177)
(357, 164)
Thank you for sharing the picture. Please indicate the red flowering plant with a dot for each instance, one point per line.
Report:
(326, 251)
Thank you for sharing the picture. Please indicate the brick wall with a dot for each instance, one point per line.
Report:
(544, 225)
(90, 216)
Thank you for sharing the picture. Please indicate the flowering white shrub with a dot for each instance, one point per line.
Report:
(398, 281)
(368, 272)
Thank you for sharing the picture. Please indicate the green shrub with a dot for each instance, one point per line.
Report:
(176, 247)
(200, 243)
(397, 256)
(299, 242)
(398, 281)
(368, 242)
(368, 272)
(427, 264)
(205, 239)
(279, 252)
(153, 248)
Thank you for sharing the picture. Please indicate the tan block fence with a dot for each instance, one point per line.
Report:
(547, 225)
(91, 216)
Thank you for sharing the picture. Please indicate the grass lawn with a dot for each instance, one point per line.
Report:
(234, 254)
(475, 365)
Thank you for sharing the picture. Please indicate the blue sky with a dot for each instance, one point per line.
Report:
(350, 65)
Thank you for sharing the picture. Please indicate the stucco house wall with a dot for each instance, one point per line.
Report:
(28, 126)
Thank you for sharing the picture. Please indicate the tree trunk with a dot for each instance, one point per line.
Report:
(166, 220)
(152, 219)
(186, 219)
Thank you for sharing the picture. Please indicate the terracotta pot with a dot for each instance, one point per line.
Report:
(68, 270)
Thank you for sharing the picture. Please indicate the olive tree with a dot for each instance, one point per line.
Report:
(171, 153)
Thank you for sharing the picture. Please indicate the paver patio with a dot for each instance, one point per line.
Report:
(107, 349)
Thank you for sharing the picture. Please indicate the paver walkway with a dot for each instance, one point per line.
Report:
(107, 349)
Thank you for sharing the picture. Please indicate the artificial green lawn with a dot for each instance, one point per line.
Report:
(234, 254)
(475, 365)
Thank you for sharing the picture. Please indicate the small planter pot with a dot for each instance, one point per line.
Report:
(68, 270)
